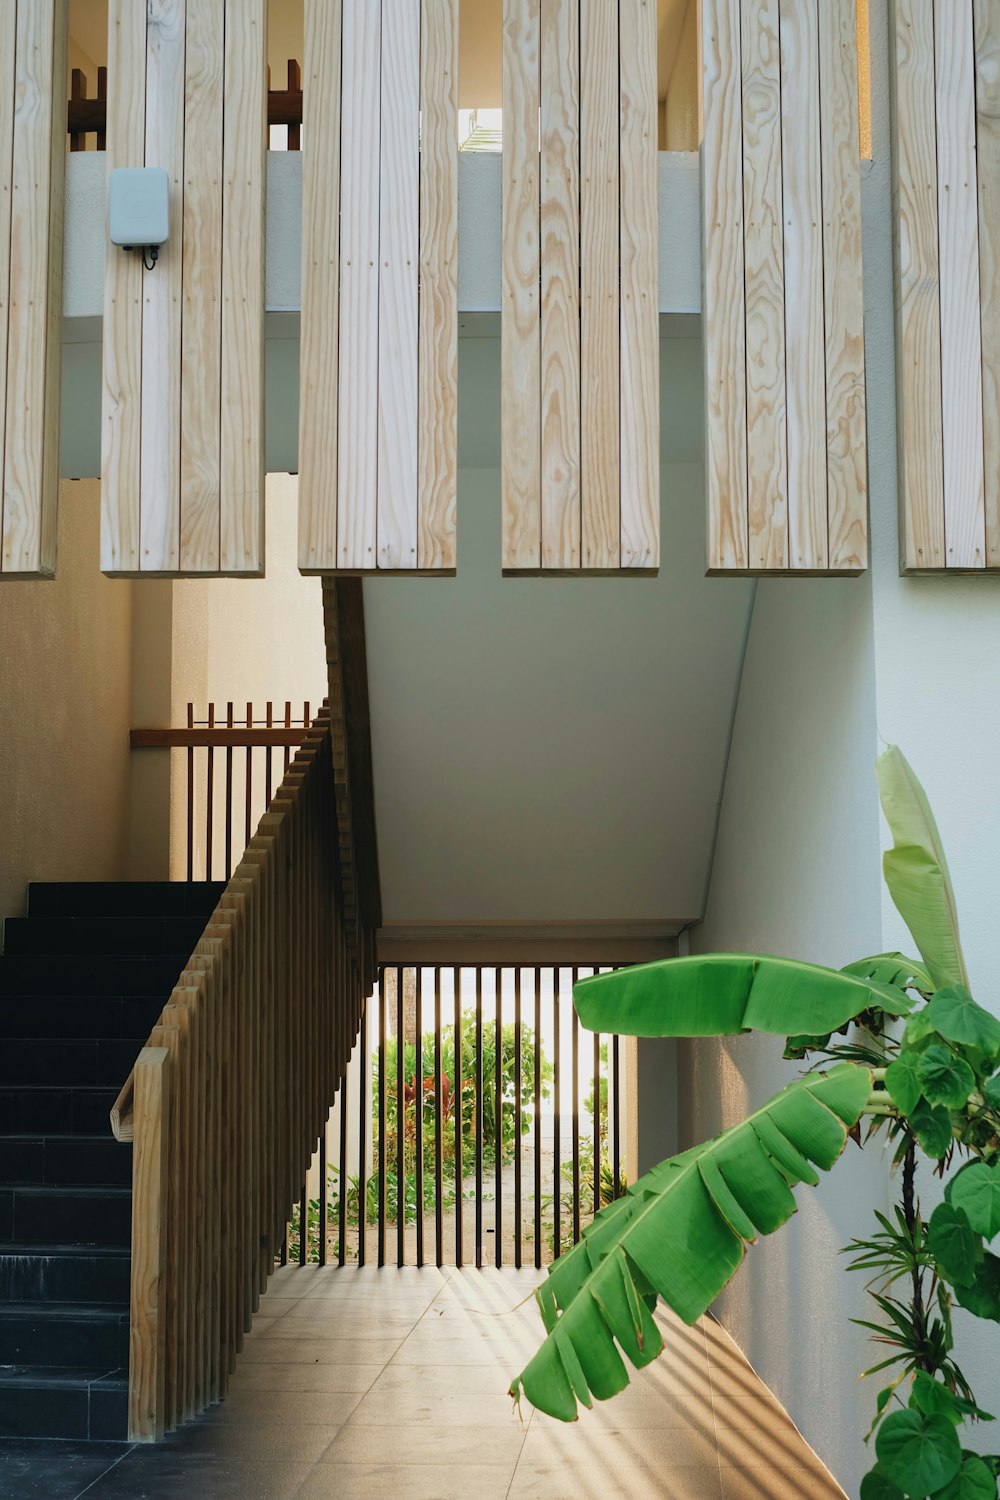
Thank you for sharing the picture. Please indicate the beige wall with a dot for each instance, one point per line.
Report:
(65, 666)
(680, 112)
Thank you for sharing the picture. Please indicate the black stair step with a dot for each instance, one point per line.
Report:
(84, 1017)
(54, 1402)
(65, 1160)
(31, 1061)
(65, 1215)
(57, 1110)
(35, 974)
(64, 1334)
(116, 937)
(133, 898)
(64, 1273)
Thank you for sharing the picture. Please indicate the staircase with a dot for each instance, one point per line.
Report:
(82, 980)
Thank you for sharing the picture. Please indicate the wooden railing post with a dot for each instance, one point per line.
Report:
(147, 1342)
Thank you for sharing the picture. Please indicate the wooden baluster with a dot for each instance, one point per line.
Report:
(229, 796)
(150, 1217)
(77, 92)
(294, 87)
(102, 94)
(190, 798)
(209, 796)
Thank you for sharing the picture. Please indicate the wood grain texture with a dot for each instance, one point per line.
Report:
(34, 320)
(357, 423)
(918, 362)
(958, 234)
(159, 462)
(986, 19)
(398, 280)
(723, 303)
(559, 70)
(767, 450)
(201, 297)
(242, 406)
(121, 410)
(147, 1313)
(847, 466)
(640, 319)
(804, 309)
(320, 320)
(437, 451)
(600, 250)
(520, 331)
(8, 99)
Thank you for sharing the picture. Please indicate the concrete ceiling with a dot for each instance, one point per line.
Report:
(553, 750)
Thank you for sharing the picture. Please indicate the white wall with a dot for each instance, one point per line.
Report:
(834, 671)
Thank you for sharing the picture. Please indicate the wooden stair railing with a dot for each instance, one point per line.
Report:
(226, 1102)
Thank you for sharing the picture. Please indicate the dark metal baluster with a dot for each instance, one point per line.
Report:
(381, 1117)
(418, 1110)
(517, 1118)
(614, 1082)
(209, 797)
(498, 1123)
(190, 799)
(342, 1213)
(364, 1088)
(288, 725)
(597, 1117)
(457, 1114)
(538, 1119)
(269, 720)
(303, 1225)
(575, 1039)
(102, 94)
(249, 780)
(400, 1123)
(229, 796)
(556, 1170)
(438, 1128)
(479, 1119)
(323, 1195)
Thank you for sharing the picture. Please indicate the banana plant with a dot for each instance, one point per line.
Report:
(681, 1231)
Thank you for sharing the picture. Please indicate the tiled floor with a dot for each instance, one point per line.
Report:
(392, 1384)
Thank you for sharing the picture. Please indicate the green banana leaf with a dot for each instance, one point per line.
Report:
(916, 870)
(721, 994)
(680, 1233)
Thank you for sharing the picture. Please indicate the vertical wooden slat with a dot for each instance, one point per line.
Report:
(437, 452)
(34, 212)
(847, 481)
(804, 328)
(320, 321)
(8, 102)
(520, 357)
(640, 325)
(559, 185)
(987, 35)
(918, 361)
(150, 1217)
(122, 408)
(767, 471)
(244, 161)
(357, 423)
(398, 242)
(958, 232)
(600, 471)
(723, 301)
(159, 464)
(364, 1092)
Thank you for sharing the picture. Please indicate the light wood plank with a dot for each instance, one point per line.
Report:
(986, 15)
(805, 361)
(437, 451)
(847, 466)
(320, 321)
(958, 232)
(357, 469)
(201, 354)
(150, 1217)
(30, 466)
(399, 260)
(244, 164)
(600, 334)
(767, 444)
(121, 411)
(520, 331)
(723, 305)
(8, 99)
(159, 463)
(640, 264)
(918, 336)
(559, 42)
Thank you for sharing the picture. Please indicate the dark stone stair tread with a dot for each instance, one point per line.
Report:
(81, 1310)
(156, 898)
(71, 1376)
(100, 937)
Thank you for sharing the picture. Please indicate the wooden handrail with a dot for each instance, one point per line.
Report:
(226, 1103)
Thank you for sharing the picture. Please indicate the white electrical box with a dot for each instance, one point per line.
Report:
(138, 207)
